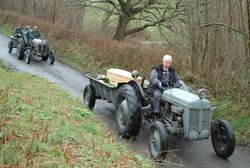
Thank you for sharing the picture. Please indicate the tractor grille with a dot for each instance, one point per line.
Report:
(42, 49)
(199, 120)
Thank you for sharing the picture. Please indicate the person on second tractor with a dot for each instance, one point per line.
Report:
(35, 33)
(26, 31)
(17, 31)
(162, 77)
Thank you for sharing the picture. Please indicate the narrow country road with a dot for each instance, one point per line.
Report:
(191, 154)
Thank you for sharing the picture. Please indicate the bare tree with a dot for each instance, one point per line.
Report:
(136, 15)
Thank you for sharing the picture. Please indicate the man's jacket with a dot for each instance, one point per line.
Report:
(17, 31)
(159, 78)
(35, 34)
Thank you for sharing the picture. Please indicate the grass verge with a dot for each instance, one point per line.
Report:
(43, 126)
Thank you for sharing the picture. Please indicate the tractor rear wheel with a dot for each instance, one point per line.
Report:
(20, 50)
(127, 112)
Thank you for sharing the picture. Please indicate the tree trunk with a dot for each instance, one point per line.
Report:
(25, 8)
(230, 14)
(54, 12)
(121, 30)
(12, 4)
(248, 18)
(243, 28)
(192, 36)
(33, 3)
(206, 39)
(220, 55)
(82, 16)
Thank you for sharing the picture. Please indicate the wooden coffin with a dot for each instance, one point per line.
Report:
(116, 76)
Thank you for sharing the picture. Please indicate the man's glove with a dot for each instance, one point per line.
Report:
(165, 84)
(160, 87)
(177, 85)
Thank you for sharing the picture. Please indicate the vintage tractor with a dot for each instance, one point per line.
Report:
(189, 115)
(183, 113)
(40, 48)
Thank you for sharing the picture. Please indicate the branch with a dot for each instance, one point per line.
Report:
(131, 31)
(122, 5)
(147, 6)
(104, 9)
(224, 25)
(114, 5)
(163, 35)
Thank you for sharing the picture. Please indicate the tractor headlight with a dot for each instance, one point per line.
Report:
(202, 93)
(135, 74)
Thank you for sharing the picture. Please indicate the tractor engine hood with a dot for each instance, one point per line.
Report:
(39, 41)
(185, 99)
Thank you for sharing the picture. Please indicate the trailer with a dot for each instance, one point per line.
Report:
(98, 89)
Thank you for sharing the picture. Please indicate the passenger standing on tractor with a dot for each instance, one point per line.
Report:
(35, 33)
(162, 77)
(17, 31)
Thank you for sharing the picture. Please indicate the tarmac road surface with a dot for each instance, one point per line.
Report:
(182, 153)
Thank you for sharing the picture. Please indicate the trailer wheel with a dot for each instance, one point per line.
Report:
(89, 96)
(158, 141)
(10, 46)
(223, 138)
(127, 112)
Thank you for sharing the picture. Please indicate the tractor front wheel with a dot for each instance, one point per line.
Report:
(223, 138)
(158, 141)
(10, 46)
(27, 56)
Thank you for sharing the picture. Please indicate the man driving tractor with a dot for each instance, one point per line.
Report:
(17, 31)
(162, 77)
